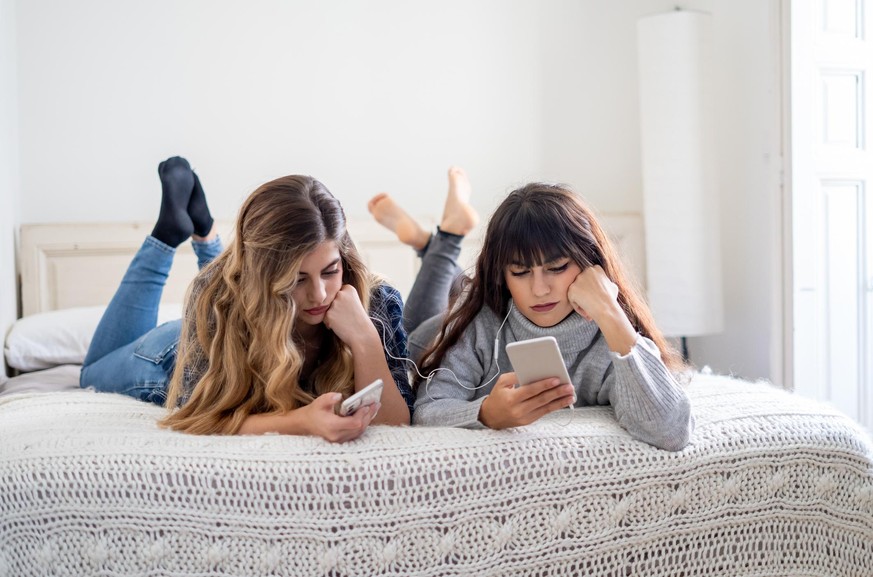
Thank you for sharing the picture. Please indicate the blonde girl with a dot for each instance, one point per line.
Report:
(277, 328)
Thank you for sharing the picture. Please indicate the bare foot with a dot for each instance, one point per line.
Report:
(459, 217)
(389, 214)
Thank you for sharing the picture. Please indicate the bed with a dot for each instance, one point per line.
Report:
(771, 483)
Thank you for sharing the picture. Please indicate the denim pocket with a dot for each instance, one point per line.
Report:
(159, 344)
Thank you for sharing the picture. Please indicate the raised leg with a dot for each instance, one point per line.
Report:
(133, 310)
(429, 295)
(129, 354)
(439, 252)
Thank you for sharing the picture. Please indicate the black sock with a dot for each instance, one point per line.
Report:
(198, 210)
(174, 225)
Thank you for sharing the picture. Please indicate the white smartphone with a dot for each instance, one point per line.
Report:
(369, 395)
(537, 359)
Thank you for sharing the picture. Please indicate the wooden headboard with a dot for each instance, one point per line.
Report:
(81, 264)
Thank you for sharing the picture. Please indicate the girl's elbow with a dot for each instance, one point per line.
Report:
(420, 414)
(677, 442)
(679, 430)
(671, 432)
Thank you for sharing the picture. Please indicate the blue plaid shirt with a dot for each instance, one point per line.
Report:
(386, 305)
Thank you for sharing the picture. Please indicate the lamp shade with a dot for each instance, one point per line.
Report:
(680, 197)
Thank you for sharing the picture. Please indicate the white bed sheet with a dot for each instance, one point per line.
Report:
(771, 484)
(61, 378)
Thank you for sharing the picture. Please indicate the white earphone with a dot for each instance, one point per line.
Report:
(497, 336)
(428, 378)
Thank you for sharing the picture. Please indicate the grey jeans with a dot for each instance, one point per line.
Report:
(428, 300)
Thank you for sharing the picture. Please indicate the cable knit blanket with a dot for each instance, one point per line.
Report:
(771, 484)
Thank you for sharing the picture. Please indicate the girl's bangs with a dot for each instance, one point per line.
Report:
(531, 241)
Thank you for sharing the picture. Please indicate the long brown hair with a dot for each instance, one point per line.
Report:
(533, 225)
(237, 339)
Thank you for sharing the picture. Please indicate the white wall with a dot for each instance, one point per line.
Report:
(749, 148)
(384, 95)
(366, 96)
(592, 140)
(9, 180)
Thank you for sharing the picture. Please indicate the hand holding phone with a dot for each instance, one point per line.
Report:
(369, 395)
(535, 362)
(537, 359)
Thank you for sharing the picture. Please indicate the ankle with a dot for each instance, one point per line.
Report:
(212, 235)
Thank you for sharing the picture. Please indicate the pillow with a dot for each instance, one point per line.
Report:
(60, 337)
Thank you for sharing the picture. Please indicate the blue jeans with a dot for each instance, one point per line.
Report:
(129, 354)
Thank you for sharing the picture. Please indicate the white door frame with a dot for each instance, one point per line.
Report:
(824, 158)
(782, 348)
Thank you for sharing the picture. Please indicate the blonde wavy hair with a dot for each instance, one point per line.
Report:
(237, 354)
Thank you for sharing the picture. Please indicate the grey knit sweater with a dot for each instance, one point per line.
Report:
(646, 399)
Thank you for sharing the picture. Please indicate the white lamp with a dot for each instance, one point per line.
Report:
(680, 196)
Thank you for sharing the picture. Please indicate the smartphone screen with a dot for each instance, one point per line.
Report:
(369, 395)
(537, 359)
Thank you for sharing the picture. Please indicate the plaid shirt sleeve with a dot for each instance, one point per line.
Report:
(386, 307)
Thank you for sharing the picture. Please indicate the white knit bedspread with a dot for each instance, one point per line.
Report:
(771, 484)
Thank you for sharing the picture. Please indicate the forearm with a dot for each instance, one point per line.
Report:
(370, 364)
(445, 402)
(290, 423)
(596, 298)
(647, 400)
(618, 331)
(454, 393)
(448, 413)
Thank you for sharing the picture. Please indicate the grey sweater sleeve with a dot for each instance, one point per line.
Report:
(647, 400)
(454, 394)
